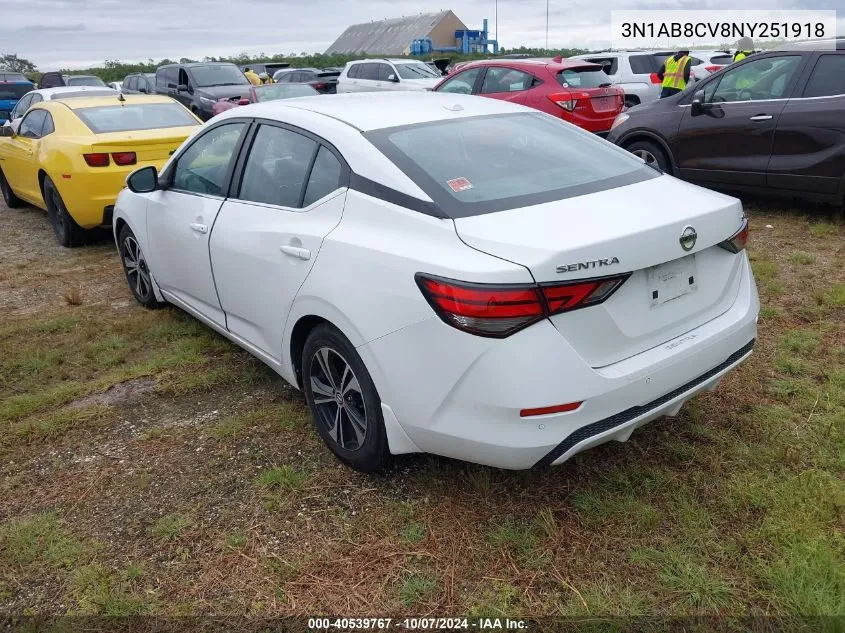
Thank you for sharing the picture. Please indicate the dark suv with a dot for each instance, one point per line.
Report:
(143, 83)
(198, 86)
(772, 123)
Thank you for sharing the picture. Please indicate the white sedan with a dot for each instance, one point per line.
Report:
(446, 274)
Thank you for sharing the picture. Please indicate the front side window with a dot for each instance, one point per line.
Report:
(203, 167)
(32, 124)
(462, 83)
(499, 79)
(385, 72)
(277, 167)
(475, 165)
(828, 77)
(610, 65)
(757, 80)
(22, 106)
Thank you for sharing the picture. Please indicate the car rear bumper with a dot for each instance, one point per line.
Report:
(461, 396)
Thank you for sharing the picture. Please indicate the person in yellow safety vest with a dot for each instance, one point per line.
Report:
(253, 78)
(265, 78)
(674, 73)
(744, 48)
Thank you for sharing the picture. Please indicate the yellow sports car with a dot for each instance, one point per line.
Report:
(71, 156)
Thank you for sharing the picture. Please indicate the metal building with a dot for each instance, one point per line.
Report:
(394, 37)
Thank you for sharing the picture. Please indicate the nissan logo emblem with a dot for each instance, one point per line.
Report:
(688, 238)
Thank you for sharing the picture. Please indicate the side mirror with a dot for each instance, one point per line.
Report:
(143, 90)
(182, 88)
(697, 103)
(143, 180)
(8, 131)
(393, 78)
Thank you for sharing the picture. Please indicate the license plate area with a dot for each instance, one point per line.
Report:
(671, 280)
(604, 104)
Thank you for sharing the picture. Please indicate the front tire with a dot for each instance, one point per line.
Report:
(9, 197)
(68, 232)
(344, 403)
(136, 270)
(652, 154)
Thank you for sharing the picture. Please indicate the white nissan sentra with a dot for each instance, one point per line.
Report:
(446, 274)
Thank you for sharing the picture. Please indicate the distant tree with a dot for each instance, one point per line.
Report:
(17, 64)
(186, 60)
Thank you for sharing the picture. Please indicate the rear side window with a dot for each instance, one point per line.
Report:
(369, 71)
(517, 160)
(325, 177)
(646, 64)
(277, 167)
(588, 77)
(828, 77)
(500, 79)
(353, 71)
(130, 83)
(146, 116)
(48, 127)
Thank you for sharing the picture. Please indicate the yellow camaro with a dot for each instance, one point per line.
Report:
(71, 156)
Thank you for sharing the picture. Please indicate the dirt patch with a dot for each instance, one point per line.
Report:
(120, 394)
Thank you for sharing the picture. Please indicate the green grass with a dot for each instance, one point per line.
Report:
(413, 533)
(764, 270)
(39, 540)
(823, 230)
(171, 527)
(800, 341)
(832, 297)
(280, 478)
(54, 425)
(98, 590)
(236, 540)
(802, 258)
(415, 588)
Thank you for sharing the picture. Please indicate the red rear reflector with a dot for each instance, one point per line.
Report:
(319, 86)
(736, 242)
(713, 69)
(244, 102)
(500, 310)
(124, 158)
(654, 78)
(97, 160)
(559, 408)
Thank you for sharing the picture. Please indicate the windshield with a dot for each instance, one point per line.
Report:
(146, 116)
(416, 71)
(477, 165)
(218, 75)
(588, 77)
(271, 92)
(13, 91)
(84, 80)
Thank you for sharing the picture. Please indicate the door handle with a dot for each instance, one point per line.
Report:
(199, 228)
(761, 117)
(296, 251)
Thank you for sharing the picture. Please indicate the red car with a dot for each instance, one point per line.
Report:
(574, 90)
(266, 92)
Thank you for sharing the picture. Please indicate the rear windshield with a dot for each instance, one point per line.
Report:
(589, 77)
(724, 60)
(416, 71)
(13, 91)
(84, 80)
(143, 116)
(13, 77)
(478, 165)
(271, 92)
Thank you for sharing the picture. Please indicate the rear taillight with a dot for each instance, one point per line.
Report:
(319, 86)
(736, 242)
(654, 78)
(568, 100)
(97, 160)
(124, 158)
(713, 69)
(498, 311)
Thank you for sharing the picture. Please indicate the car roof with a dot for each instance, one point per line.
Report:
(107, 100)
(392, 60)
(55, 93)
(375, 110)
(194, 64)
(813, 45)
(551, 64)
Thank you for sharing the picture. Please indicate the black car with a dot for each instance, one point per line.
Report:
(199, 85)
(56, 79)
(772, 123)
(323, 81)
(140, 83)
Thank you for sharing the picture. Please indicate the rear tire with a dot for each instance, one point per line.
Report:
(652, 154)
(67, 231)
(344, 403)
(9, 197)
(135, 268)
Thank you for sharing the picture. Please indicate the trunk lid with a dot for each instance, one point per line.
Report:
(633, 229)
(149, 145)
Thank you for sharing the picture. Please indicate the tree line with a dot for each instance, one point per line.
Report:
(116, 70)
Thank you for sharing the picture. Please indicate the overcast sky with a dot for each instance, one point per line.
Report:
(79, 33)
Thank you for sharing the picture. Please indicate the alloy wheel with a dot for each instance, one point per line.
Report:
(338, 399)
(647, 156)
(136, 267)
